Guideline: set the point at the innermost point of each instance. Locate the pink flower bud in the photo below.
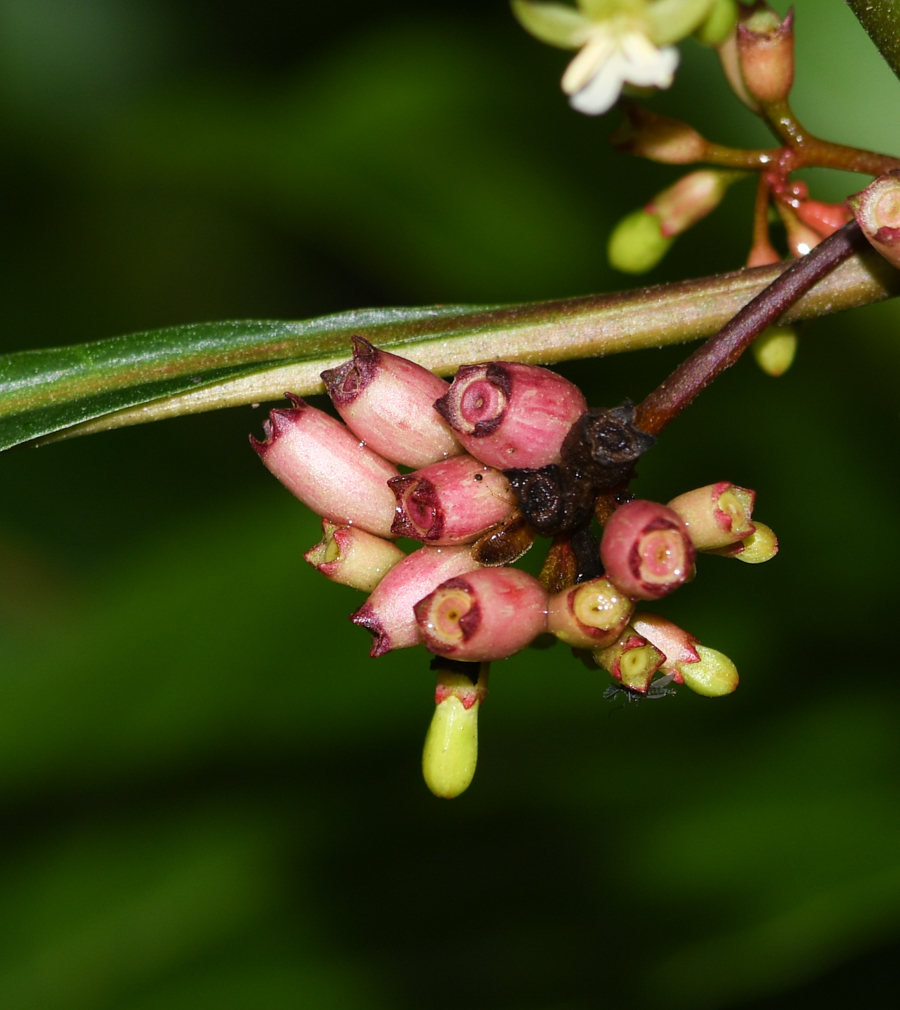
(511, 415)
(690, 199)
(485, 615)
(591, 615)
(716, 515)
(388, 612)
(676, 644)
(352, 557)
(632, 660)
(668, 141)
(325, 465)
(646, 550)
(877, 209)
(453, 502)
(388, 402)
(766, 54)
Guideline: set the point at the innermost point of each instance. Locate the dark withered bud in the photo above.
(451, 502)
(553, 499)
(509, 414)
(560, 569)
(504, 544)
(386, 401)
(606, 444)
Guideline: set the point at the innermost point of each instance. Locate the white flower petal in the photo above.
(603, 90)
(647, 65)
(589, 62)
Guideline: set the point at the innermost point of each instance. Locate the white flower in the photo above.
(621, 41)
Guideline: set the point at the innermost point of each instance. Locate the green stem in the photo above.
(881, 20)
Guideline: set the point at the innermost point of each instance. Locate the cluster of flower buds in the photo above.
(505, 453)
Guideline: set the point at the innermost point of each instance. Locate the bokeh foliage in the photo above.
(210, 796)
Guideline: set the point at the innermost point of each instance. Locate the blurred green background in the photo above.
(209, 796)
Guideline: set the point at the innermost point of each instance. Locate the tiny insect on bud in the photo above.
(388, 613)
(775, 349)
(511, 415)
(714, 676)
(646, 550)
(352, 557)
(677, 645)
(716, 515)
(484, 615)
(325, 465)
(760, 546)
(452, 502)
(631, 660)
(765, 47)
(719, 23)
(877, 209)
(658, 138)
(451, 746)
(387, 401)
(591, 615)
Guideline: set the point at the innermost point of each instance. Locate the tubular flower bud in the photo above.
(592, 615)
(714, 676)
(632, 660)
(877, 209)
(716, 515)
(511, 415)
(352, 557)
(646, 550)
(765, 47)
(775, 349)
(691, 198)
(453, 502)
(387, 401)
(760, 546)
(658, 138)
(676, 644)
(325, 465)
(451, 746)
(485, 615)
(388, 612)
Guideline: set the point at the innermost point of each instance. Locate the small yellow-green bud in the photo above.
(719, 24)
(760, 546)
(637, 243)
(714, 676)
(775, 349)
(451, 748)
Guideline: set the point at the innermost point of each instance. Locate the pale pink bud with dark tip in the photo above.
(591, 615)
(352, 557)
(632, 660)
(485, 615)
(765, 46)
(759, 547)
(452, 502)
(387, 401)
(676, 644)
(326, 466)
(388, 612)
(510, 415)
(690, 199)
(648, 135)
(877, 209)
(646, 550)
(716, 515)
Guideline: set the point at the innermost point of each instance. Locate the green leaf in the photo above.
(187, 369)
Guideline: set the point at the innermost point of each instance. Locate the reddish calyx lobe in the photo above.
(485, 615)
(388, 612)
(452, 502)
(511, 415)
(387, 401)
(324, 464)
(646, 550)
(716, 515)
(676, 644)
(468, 688)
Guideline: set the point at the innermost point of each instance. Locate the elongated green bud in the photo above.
(451, 746)
(714, 676)
(775, 348)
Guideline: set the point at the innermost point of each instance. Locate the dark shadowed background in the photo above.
(209, 796)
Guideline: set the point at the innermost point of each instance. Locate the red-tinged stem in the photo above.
(691, 377)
